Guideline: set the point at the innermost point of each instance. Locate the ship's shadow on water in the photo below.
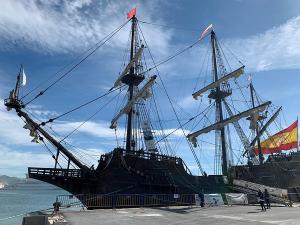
(184, 210)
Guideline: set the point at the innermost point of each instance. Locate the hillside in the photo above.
(11, 180)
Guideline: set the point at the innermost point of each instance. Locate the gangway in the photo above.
(277, 195)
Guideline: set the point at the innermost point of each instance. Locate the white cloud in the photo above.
(174, 132)
(66, 26)
(15, 163)
(11, 128)
(40, 112)
(100, 129)
(187, 101)
(277, 48)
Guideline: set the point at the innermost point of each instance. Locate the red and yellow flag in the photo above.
(283, 140)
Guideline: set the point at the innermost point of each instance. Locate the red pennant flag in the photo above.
(206, 31)
(131, 13)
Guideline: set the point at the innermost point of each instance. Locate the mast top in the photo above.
(131, 14)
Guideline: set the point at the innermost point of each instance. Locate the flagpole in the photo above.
(297, 136)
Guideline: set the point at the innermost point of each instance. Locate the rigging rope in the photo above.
(161, 128)
(171, 57)
(201, 70)
(102, 107)
(55, 135)
(78, 107)
(155, 66)
(192, 118)
(98, 45)
(53, 156)
(177, 28)
(233, 54)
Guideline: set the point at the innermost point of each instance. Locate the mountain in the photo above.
(11, 180)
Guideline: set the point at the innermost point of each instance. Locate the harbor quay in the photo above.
(219, 215)
(226, 208)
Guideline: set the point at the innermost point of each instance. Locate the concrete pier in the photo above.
(220, 215)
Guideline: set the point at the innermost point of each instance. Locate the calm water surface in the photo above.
(26, 198)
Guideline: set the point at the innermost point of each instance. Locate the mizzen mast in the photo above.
(219, 90)
(218, 95)
(255, 126)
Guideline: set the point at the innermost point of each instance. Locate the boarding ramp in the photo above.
(277, 195)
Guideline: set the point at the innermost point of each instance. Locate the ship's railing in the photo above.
(186, 168)
(125, 200)
(148, 155)
(54, 172)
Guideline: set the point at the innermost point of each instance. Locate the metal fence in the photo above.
(153, 200)
(125, 200)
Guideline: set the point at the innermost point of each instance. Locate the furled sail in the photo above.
(141, 94)
(33, 132)
(216, 126)
(148, 137)
(24, 79)
(135, 59)
(282, 141)
(263, 128)
(234, 74)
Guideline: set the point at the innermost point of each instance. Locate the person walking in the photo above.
(261, 200)
(267, 199)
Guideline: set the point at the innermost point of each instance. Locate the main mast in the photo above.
(132, 76)
(132, 79)
(130, 88)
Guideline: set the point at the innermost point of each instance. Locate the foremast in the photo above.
(36, 130)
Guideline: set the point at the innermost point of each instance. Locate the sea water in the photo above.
(25, 198)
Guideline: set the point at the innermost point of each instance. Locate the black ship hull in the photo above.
(132, 172)
(280, 170)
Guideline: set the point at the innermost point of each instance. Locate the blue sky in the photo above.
(46, 35)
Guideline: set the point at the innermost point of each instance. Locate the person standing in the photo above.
(201, 197)
(267, 199)
(261, 200)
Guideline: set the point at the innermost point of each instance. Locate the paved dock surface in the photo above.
(221, 215)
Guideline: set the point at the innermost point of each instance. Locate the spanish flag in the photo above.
(283, 140)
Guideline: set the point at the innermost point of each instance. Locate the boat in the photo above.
(274, 161)
(141, 166)
(2, 185)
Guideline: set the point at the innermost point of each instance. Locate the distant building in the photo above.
(2, 185)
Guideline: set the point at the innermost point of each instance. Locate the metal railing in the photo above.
(54, 172)
(125, 200)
